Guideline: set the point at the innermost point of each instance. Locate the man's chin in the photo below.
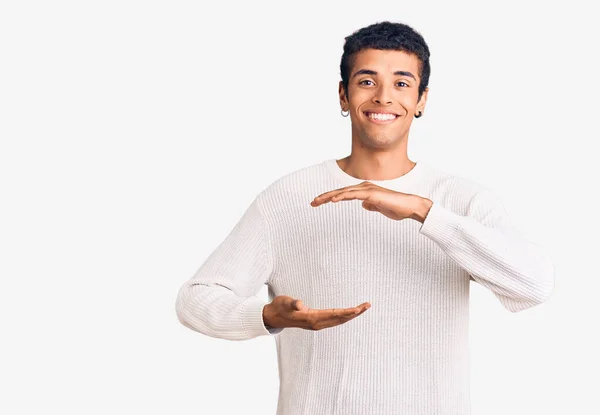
(379, 141)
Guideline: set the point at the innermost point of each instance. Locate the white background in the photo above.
(135, 134)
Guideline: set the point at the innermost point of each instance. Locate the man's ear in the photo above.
(422, 101)
(343, 97)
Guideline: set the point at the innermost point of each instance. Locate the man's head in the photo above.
(384, 69)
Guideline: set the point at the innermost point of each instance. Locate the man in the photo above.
(373, 229)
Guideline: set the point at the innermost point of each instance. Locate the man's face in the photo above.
(383, 89)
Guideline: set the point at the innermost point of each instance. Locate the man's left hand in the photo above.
(394, 205)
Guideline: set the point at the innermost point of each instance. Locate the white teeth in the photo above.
(381, 117)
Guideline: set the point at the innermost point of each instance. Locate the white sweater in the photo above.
(408, 354)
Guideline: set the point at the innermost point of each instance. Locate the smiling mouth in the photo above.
(381, 118)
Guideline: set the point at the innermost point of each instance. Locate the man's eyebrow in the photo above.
(371, 72)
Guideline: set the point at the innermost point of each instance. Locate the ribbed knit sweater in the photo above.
(408, 354)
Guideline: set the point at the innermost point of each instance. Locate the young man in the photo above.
(371, 229)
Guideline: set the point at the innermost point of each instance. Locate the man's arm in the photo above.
(220, 299)
(491, 250)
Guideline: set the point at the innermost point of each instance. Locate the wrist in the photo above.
(422, 207)
(265, 316)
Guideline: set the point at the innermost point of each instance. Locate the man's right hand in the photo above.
(285, 311)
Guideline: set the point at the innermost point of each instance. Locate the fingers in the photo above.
(299, 315)
(326, 323)
(321, 319)
(366, 305)
(341, 189)
(335, 313)
(327, 196)
(347, 195)
(352, 195)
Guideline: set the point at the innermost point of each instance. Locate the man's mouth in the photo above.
(381, 117)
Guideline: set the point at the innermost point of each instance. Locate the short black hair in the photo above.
(386, 36)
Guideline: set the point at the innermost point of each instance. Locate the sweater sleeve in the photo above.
(491, 250)
(220, 300)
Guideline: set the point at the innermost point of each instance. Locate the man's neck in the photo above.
(376, 166)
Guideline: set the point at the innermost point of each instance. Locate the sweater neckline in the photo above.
(345, 179)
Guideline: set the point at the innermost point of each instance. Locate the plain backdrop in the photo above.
(134, 134)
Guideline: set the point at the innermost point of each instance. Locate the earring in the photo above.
(346, 114)
(419, 114)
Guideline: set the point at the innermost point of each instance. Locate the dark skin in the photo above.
(382, 100)
(286, 311)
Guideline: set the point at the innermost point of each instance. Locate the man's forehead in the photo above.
(386, 57)
(386, 62)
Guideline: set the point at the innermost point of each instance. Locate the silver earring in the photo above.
(346, 114)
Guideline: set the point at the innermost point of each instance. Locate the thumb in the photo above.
(298, 305)
(368, 206)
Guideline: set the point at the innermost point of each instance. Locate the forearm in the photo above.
(520, 273)
(220, 299)
(215, 311)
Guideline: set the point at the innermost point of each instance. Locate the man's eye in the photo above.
(363, 82)
(405, 84)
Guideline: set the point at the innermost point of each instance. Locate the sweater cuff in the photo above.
(440, 225)
(252, 319)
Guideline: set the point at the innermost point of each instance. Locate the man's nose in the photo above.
(382, 96)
